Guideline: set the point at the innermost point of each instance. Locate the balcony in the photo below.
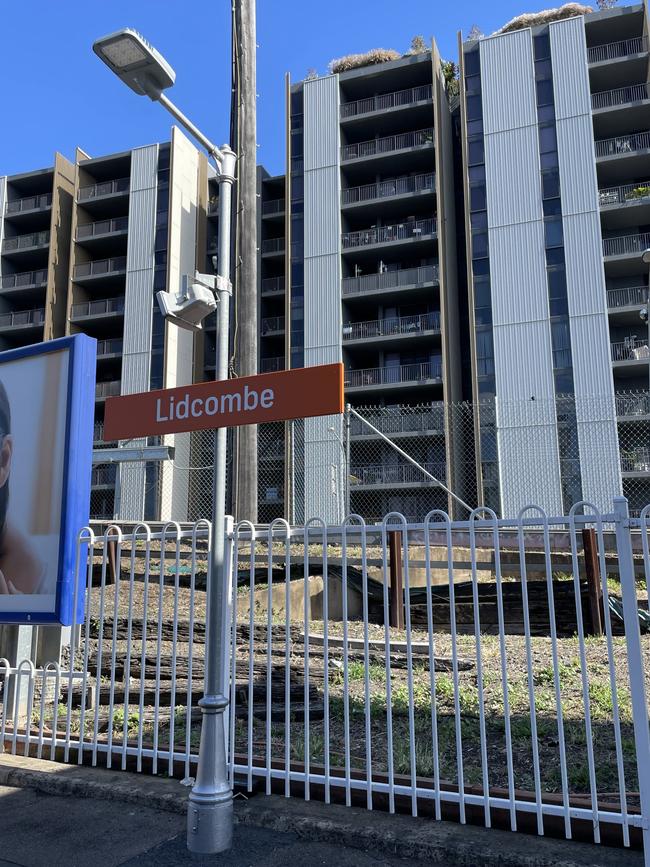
(26, 242)
(102, 227)
(621, 145)
(272, 286)
(28, 204)
(629, 296)
(107, 389)
(413, 231)
(626, 245)
(614, 50)
(272, 207)
(99, 269)
(273, 246)
(271, 365)
(621, 96)
(387, 144)
(389, 281)
(91, 309)
(111, 348)
(401, 422)
(401, 186)
(104, 476)
(397, 326)
(635, 461)
(24, 280)
(22, 319)
(633, 406)
(272, 326)
(106, 188)
(395, 475)
(385, 101)
(628, 194)
(402, 375)
(632, 350)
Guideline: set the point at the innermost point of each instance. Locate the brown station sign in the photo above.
(301, 393)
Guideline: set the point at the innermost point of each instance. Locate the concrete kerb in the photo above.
(401, 836)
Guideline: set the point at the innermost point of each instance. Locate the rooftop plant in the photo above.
(353, 61)
(536, 19)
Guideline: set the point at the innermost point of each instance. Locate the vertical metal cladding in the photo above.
(324, 466)
(3, 196)
(585, 277)
(523, 361)
(508, 82)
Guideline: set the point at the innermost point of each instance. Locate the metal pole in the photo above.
(211, 148)
(210, 810)
(347, 459)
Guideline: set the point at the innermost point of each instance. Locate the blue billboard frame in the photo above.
(77, 467)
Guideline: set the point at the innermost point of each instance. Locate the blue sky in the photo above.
(56, 94)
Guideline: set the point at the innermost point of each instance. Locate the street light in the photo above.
(210, 810)
(644, 312)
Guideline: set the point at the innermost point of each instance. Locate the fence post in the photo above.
(634, 662)
(594, 589)
(229, 552)
(396, 579)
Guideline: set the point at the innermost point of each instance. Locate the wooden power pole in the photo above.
(245, 291)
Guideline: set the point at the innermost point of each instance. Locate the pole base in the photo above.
(209, 827)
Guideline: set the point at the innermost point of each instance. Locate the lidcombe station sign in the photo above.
(301, 393)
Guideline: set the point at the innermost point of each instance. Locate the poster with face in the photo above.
(46, 416)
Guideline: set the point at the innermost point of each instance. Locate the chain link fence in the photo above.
(395, 450)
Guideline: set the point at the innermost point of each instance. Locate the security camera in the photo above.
(195, 301)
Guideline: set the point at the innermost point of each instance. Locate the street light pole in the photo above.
(210, 813)
(645, 313)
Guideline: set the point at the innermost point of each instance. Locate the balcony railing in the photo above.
(104, 475)
(630, 349)
(388, 234)
(24, 279)
(621, 195)
(626, 245)
(273, 245)
(629, 296)
(620, 96)
(273, 206)
(270, 365)
(107, 389)
(390, 280)
(635, 460)
(97, 308)
(272, 324)
(631, 405)
(405, 373)
(390, 187)
(99, 267)
(411, 325)
(106, 188)
(21, 318)
(387, 100)
(622, 144)
(24, 242)
(387, 144)
(111, 346)
(425, 421)
(29, 203)
(612, 50)
(272, 285)
(396, 474)
(103, 227)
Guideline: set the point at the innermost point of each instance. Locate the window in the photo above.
(472, 63)
(474, 127)
(544, 93)
(478, 220)
(474, 107)
(542, 45)
(482, 301)
(477, 198)
(555, 256)
(481, 267)
(476, 173)
(479, 245)
(543, 70)
(475, 152)
(550, 184)
(553, 232)
(545, 113)
(548, 160)
(547, 139)
(473, 84)
(484, 352)
(561, 343)
(564, 382)
(557, 294)
(552, 207)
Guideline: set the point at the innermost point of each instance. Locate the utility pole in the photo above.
(244, 105)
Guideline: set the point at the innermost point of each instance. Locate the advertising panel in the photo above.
(47, 395)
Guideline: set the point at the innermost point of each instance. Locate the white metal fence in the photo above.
(486, 670)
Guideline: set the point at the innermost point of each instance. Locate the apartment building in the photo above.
(556, 207)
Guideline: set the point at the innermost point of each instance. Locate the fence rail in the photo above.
(270, 365)
(396, 474)
(629, 296)
(630, 349)
(396, 99)
(390, 280)
(443, 667)
(620, 96)
(102, 227)
(107, 389)
(387, 144)
(24, 279)
(388, 234)
(272, 325)
(622, 144)
(393, 326)
(627, 193)
(106, 188)
(612, 50)
(635, 460)
(272, 285)
(626, 245)
(29, 203)
(22, 318)
(273, 206)
(99, 267)
(97, 308)
(390, 187)
(24, 242)
(404, 373)
(273, 245)
(633, 404)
